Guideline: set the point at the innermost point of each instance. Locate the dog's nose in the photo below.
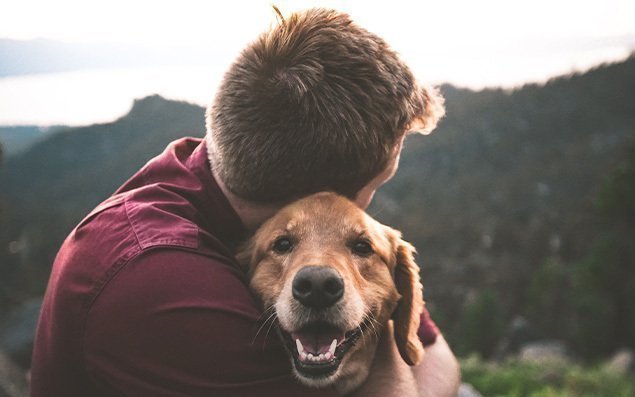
(318, 287)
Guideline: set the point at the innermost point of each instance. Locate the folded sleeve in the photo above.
(176, 323)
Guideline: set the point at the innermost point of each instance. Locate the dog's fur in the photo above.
(384, 284)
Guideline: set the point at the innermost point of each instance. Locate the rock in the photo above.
(543, 351)
(467, 390)
(622, 362)
(519, 333)
(12, 378)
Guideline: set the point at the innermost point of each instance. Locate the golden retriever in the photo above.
(334, 277)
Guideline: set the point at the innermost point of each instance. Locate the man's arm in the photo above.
(174, 323)
(438, 375)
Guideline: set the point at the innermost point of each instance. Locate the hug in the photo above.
(243, 264)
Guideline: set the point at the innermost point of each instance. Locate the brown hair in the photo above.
(315, 103)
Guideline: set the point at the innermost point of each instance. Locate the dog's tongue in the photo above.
(318, 338)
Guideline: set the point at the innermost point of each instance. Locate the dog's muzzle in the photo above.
(319, 346)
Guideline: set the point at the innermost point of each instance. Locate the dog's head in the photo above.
(334, 277)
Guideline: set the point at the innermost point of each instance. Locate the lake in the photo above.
(93, 96)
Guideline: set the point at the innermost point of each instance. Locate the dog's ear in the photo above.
(407, 314)
(246, 256)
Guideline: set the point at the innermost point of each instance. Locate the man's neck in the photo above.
(251, 214)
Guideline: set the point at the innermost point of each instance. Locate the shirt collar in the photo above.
(227, 225)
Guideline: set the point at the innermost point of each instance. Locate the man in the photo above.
(145, 296)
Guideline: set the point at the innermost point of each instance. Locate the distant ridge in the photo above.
(96, 159)
(509, 179)
(26, 57)
(14, 139)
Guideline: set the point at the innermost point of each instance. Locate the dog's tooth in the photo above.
(309, 356)
(303, 356)
(327, 355)
(332, 347)
(299, 346)
(321, 357)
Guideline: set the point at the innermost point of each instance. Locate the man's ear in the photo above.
(407, 314)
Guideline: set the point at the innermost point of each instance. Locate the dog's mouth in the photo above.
(318, 349)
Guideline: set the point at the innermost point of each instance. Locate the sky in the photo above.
(473, 44)
(407, 22)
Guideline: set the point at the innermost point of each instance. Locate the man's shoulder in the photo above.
(176, 295)
(122, 229)
(161, 220)
(173, 311)
(159, 217)
(178, 276)
(172, 201)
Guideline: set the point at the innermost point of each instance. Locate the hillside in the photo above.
(15, 139)
(507, 182)
(52, 185)
(509, 171)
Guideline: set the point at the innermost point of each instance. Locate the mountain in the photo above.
(508, 172)
(15, 139)
(507, 183)
(51, 186)
(98, 158)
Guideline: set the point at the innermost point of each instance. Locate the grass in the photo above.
(549, 379)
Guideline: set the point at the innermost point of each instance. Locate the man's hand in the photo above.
(437, 375)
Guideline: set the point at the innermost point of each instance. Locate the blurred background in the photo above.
(521, 203)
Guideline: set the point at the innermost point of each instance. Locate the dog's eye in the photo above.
(362, 248)
(282, 245)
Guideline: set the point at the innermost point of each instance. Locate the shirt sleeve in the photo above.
(176, 323)
(428, 330)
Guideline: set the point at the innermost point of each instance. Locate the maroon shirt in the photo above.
(146, 299)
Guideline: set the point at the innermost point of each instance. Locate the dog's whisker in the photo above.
(272, 317)
(269, 330)
(372, 329)
(267, 312)
(372, 323)
(273, 313)
(257, 333)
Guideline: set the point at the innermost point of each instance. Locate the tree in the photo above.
(481, 325)
(604, 282)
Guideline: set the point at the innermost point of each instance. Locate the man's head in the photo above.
(316, 103)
